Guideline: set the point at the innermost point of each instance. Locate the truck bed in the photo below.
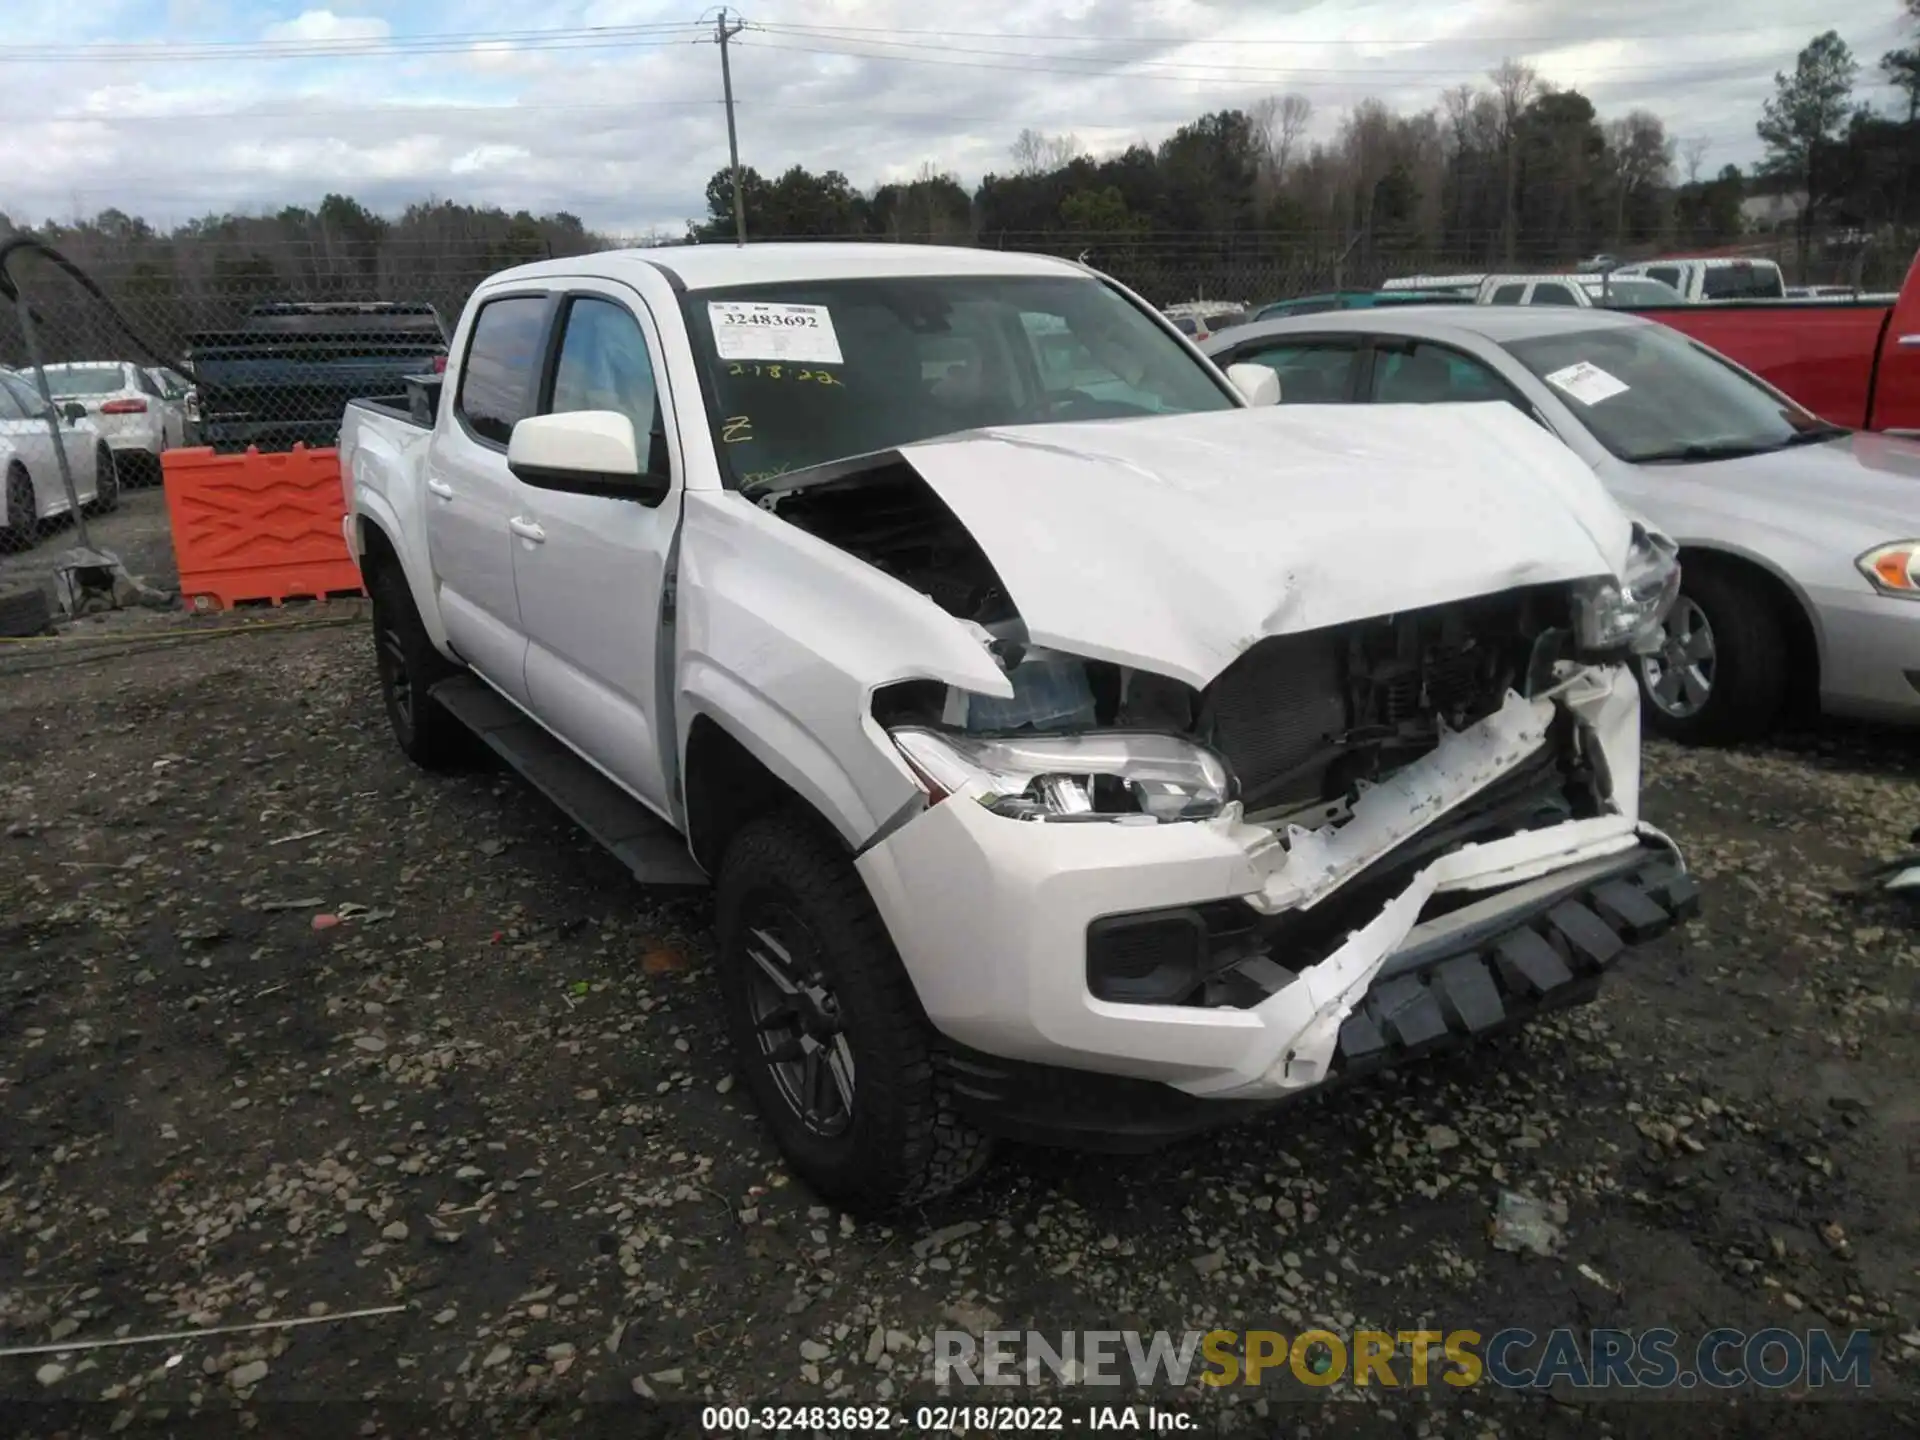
(1822, 353)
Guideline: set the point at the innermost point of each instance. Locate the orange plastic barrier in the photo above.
(257, 527)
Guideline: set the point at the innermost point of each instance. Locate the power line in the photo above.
(626, 37)
(1208, 66)
(1239, 41)
(1203, 73)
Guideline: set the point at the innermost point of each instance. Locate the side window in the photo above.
(1312, 373)
(603, 365)
(1552, 294)
(1508, 295)
(503, 360)
(12, 404)
(1423, 374)
(1668, 273)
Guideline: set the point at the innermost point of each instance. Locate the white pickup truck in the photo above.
(1083, 749)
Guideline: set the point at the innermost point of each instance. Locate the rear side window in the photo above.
(1742, 282)
(1666, 274)
(1508, 295)
(1319, 373)
(503, 363)
(1423, 374)
(1553, 295)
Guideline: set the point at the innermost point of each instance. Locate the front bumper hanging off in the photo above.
(1475, 972)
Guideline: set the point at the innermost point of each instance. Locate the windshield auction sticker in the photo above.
(1587, 383)
(756, 331)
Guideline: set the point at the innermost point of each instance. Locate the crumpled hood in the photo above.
(1175, 543)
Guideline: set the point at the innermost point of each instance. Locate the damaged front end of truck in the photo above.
(1252, 815)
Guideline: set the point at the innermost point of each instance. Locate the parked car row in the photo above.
(32, 490)
(143, 412)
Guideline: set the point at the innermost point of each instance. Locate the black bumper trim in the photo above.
(1430, 998)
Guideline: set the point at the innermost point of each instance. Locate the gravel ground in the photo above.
(289, 1029)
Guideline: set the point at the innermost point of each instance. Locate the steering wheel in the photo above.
(1078, 405)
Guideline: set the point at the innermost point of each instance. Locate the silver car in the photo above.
(1800, 540)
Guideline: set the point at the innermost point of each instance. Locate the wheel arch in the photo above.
(1805, 642)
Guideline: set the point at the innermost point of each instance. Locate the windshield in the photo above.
(809, 372)
(88, 380)
(1628, 290)
(1742, 282)
(1649, 393)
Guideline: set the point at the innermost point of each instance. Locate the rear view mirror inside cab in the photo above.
(585, 452)
(1256, 383)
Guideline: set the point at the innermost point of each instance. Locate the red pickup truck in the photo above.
(1854, 362)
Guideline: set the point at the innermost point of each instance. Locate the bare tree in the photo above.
(1641, 157)
(1694, 151)
(1514, 86)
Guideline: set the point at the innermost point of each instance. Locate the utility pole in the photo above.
(723, 32)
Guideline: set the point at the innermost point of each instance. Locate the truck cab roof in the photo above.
(718, 267)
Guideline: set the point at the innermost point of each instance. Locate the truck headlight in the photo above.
(1122, 776)
(1893, 569)
(1609, 613)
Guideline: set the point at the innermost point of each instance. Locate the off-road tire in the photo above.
(906, 1144)
(19, 516)
(106, 482)
(425, 732)
(1750, 662)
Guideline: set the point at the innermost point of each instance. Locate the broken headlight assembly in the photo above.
(1124, 777)
(1610, 614)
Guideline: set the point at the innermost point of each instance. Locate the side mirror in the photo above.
(584, 452)
(74, 411)
(1258, 384)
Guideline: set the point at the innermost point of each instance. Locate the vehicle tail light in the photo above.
(135, 406)
(439, 364)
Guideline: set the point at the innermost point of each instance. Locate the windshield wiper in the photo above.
(1738, 449)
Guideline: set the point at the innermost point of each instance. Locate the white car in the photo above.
(1083, 749)
(31, 489)
(127, 406)
(183, 404)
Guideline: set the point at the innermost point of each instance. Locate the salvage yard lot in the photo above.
(496, 1092)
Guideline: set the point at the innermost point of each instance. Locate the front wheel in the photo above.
(826, 1028)
(1720, 674)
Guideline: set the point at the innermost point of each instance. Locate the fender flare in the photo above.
(371, 509)
(792, 754)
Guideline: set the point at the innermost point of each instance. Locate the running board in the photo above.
(652, 849)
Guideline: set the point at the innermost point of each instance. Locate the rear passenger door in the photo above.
(591, 570)
(470, 495)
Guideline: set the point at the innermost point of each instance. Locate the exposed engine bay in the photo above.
(1301, 719)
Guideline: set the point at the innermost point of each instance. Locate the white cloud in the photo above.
(325, 25)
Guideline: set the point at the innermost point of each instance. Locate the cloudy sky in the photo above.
(610, 108)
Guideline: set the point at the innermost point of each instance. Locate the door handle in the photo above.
(440, 488)
(526, 530)
(1909, 340)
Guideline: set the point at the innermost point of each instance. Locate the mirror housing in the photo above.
(1256, 383)
(74, 411)
(584, 452)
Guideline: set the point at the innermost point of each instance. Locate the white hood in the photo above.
(1173, 544)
